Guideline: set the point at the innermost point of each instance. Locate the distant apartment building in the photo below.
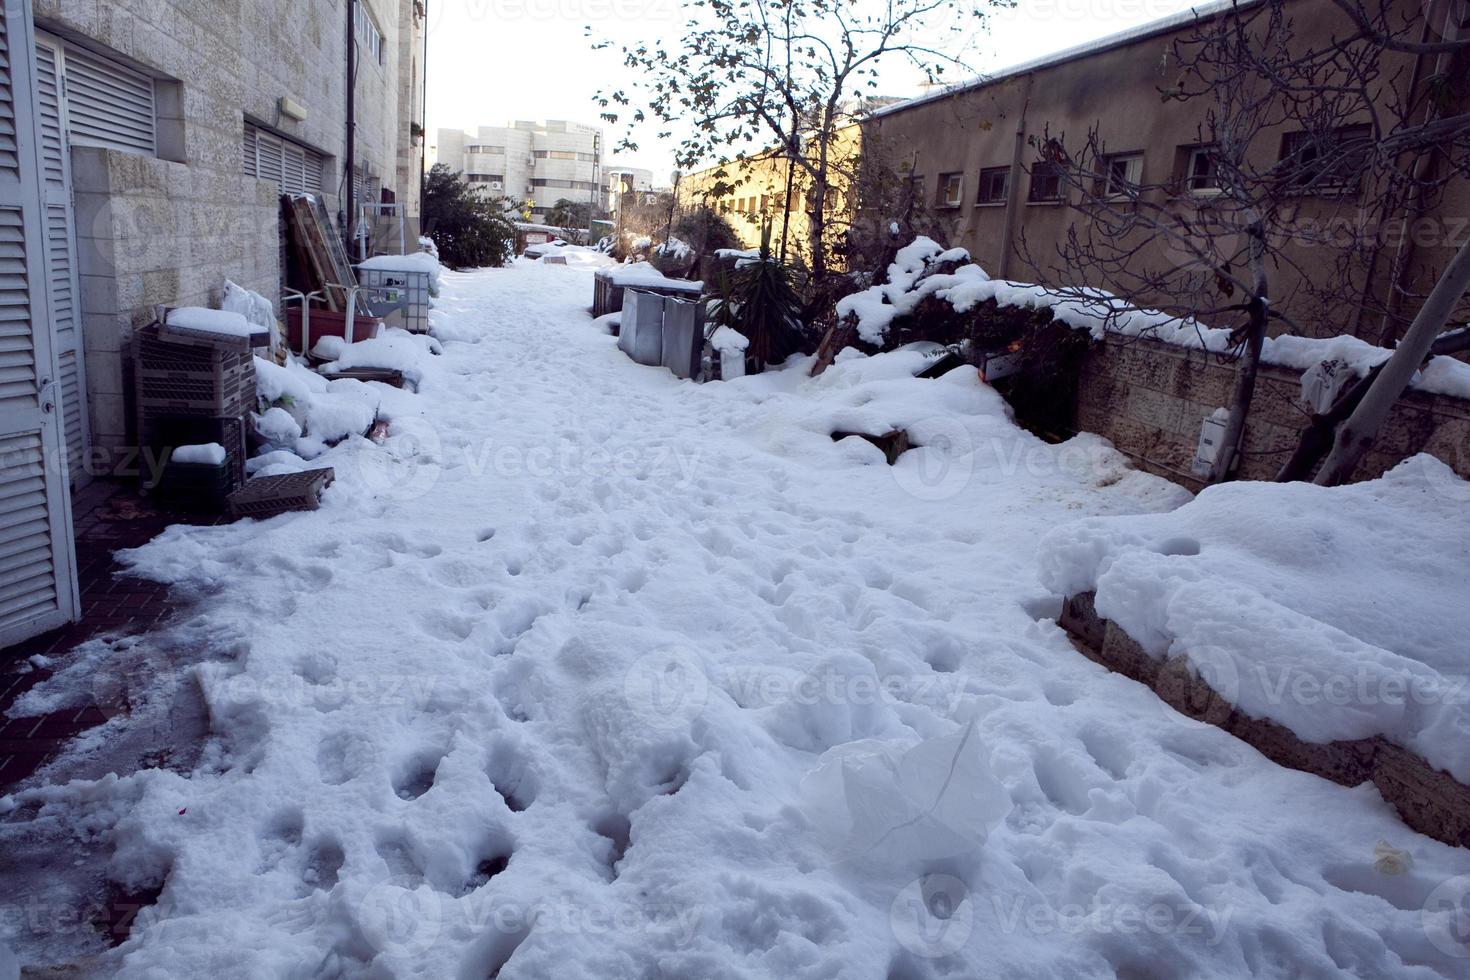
(538, 162)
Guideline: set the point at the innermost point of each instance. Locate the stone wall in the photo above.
(1149, 398)
(154, 231)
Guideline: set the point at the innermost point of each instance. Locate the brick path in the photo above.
(108, 517)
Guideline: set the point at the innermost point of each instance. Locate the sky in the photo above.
(492, 61)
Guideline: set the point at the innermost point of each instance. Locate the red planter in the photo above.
(325, 323)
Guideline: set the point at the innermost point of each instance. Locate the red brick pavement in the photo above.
(108, 517)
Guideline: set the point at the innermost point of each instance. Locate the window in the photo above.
(994, 183)
(951, 190)
(1325, 163)
(916, 188)
(292, 167)
(1046, 182)
(108, 105)
(369, 38)
(555, 155)
(498, 150)
(1122, 174)
(1202, 173)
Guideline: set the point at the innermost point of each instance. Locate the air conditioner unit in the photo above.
(496, 185)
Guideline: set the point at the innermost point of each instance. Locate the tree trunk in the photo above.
(1356, 435)
(1250, 361)
(1317, 436)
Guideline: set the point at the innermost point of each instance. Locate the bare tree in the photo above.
(791, 78)
(1295, 135)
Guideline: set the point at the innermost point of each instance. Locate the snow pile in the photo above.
(422, 262)
(577, 256)
(911, 279)
(395, 350)
(1338, 612)
(588, 672)
(644, 274)
(205, 454)
(223, 322)
(728, 340)
(428, 245)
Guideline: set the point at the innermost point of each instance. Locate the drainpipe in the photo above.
(1013, 191)
(1414, 205)
(349, 194)
(424, 119)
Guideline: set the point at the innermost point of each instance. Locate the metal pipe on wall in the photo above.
(349, 170)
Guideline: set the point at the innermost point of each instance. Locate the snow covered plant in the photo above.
(759, 301)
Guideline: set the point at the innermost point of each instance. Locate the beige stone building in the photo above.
(536, 162)
(182, 123)
(148, 144)
(973, 155)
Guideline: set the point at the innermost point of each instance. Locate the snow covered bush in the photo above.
(758, 301)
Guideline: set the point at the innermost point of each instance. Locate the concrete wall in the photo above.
(1148, 398)
(169, 232)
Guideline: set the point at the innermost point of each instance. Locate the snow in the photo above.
(676, 247)
(729, 340)
(221, 322)
(207, 454)
(1102, 314)
(1336, 612)
(701, 693)
(397, 350)
(644, 274)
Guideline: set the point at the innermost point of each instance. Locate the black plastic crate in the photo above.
(197, 486)
(162, 433)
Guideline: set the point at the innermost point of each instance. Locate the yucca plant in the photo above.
(759, 301)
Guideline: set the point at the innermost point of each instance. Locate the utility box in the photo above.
(640, 331)
(1211, 438)
(683, 337)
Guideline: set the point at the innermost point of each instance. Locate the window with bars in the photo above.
(1328, 163)
(994, 183)
(1046, 182)
(292, 167)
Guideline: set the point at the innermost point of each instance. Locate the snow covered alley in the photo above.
(589, 672)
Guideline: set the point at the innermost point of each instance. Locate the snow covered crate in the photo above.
(162, 434)
(191, 379)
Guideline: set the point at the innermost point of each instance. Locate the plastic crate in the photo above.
(197, 486)
(190, 379)
(266, 496)
(160, 434)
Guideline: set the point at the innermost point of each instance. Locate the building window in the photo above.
(1046, 182)
(557, 155)
(951, 190)
(1325, 163)
(369, 37)
(916, 188)
(293, 167)
(1122, 173)
(107, 105)
(1202, 175)
(994, 183)
(485, 149)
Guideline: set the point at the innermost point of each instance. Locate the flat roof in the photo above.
(1163, 25)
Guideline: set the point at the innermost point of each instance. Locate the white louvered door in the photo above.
(61, 259)
(38, 588)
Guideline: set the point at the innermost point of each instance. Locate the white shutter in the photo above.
(270, 162)
(108, 105)
(249, 151)
(61, 261)
(37, 560)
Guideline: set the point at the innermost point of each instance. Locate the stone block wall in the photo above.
(1149, 399)
(169, 229)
